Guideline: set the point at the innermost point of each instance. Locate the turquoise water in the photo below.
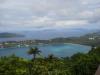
(59, 50)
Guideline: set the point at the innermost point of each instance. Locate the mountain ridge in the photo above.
(10, 35)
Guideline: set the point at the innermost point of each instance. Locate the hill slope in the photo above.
(88, 39)
(10, 35)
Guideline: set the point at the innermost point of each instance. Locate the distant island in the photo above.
(10, 35)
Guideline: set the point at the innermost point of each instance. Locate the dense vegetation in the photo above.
(78, 64)
(10, 35)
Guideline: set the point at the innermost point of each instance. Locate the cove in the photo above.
(58, 50)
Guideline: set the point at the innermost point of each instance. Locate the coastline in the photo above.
(32, 45)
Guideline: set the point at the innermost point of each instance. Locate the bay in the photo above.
(58, 50)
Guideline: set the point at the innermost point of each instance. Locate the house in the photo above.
(1, 46)
(98, 71)
(91, 38)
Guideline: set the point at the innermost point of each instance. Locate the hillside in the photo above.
(88, 39)
(10, 35)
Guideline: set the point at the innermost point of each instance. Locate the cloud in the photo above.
(72, 23)
(49, 14)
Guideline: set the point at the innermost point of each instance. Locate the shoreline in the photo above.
(28, 46)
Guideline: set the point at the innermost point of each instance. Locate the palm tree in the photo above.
(34, 52)
(92, 47)
(51, 56)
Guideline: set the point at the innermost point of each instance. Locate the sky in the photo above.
(21, 15)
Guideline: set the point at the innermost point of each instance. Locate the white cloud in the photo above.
(87, 2)
(72, 22)
(49, 13)
(86, 14)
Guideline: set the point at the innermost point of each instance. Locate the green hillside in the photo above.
(88, 39)
(9, 35)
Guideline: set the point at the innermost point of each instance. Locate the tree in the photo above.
(92, 47)
(51, 56)
(34, 52)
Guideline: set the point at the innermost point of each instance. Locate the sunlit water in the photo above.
(59, 50)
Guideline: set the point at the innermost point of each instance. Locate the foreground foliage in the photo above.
(78, 64)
